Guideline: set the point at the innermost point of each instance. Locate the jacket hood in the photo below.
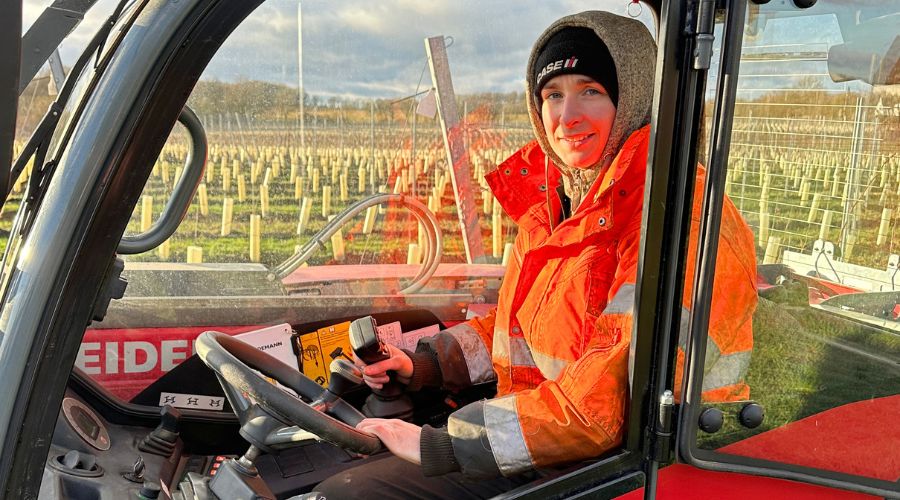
(634, 53)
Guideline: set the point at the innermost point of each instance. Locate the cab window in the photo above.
(813, 169)
(290, 152)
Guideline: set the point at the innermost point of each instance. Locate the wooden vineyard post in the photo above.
(257, 170)
(305, 209)
(763, 228)
(337, 245)
(436, 201)
(163, 250)
(241, 188)
(412, 254)
(849, 243)
(817, 198)
(344, 188)
(264, 199)
(826, 223)
(507, 253)
(164, 172)
(203, 199)
(326, 201)
(235, 170)
(194, 255)
(369, 224)
(254, 238)
(226, 184)
(422, 237)
(885, 224)
(146, 213)
(771, 256)
(361, 176)
(227, 213)
(298, 187)
(211, 171)
(454, 148)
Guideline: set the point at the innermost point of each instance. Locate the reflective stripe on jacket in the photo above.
(558, 342)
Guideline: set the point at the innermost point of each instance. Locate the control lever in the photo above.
(390, 401)
(163, 439)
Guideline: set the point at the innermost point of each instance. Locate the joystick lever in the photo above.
(365, 342)
(390, 401)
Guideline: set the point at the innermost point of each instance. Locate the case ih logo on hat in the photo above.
(574, 50)
(569, 63)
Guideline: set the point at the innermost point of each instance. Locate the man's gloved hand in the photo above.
(375, 375)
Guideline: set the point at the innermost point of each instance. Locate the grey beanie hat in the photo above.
(634, 53)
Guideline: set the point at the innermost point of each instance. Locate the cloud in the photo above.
(370, 49)
(367, 49)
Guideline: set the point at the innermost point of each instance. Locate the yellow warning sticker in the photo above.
(319, 348)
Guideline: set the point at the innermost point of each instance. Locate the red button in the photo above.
(216, 465)
(212, 472)
(220, 458)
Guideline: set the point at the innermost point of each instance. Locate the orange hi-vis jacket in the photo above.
(557, 343)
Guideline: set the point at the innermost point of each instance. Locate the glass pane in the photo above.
(814, 171)
(281, 167)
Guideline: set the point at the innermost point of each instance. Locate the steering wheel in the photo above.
(234, 362)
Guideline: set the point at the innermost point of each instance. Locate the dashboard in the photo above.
(92, 458)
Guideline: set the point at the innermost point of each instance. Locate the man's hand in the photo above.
(375, 375)
(402, 438)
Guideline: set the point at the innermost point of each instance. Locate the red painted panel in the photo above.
(127, 360)
(859, 438)
(683, 482)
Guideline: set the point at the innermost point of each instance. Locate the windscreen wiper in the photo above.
(39, 142)
(47, 32)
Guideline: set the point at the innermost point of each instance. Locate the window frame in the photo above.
(714, 191)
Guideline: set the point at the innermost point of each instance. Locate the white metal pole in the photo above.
(300, 78)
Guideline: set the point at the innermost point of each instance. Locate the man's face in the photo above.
(578, 115)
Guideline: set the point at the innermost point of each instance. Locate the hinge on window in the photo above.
(662, 438)
(705, 17)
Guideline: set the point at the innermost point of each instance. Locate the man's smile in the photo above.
(576, 140)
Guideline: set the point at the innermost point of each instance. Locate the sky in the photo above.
(360, 48)
(364, 48)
